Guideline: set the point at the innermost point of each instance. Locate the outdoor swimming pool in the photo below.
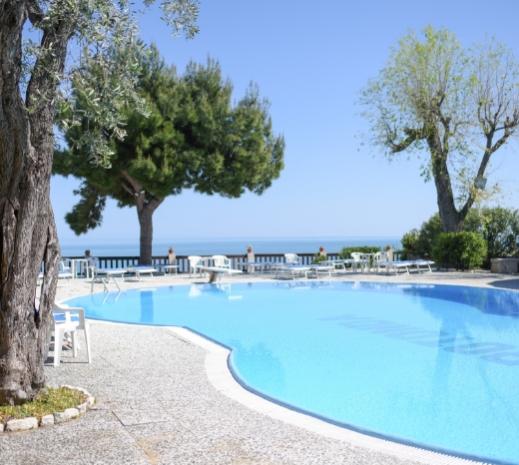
(435, 366)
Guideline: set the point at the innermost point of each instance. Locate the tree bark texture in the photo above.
(145, 215)
(28, 238)
(146, 204)
(450, 217)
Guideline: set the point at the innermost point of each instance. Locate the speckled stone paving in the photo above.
(156, 406)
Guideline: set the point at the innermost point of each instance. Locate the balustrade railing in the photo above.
(237, 261)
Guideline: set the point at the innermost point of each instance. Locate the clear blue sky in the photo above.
(310, 59)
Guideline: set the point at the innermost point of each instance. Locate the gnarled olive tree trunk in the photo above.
(27, 230)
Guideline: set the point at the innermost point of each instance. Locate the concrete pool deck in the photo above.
(165, 397)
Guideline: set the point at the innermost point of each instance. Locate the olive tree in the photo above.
(192, 137)
(35, 71)
(457, 106)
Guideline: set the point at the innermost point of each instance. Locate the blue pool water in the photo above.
(436, 366)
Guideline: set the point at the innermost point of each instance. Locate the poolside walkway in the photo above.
(156, 405)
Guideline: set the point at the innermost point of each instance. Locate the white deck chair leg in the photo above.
(58, 342)
(87, 342)
(75, 343)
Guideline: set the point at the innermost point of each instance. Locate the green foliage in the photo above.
(410, 247)
(48, 401)
(346, 251)
(452, 106)
(191, 136)
(419, 243)
(104, 74)
(461, 250)
(318, 258)
(88, 212)
(498, 226)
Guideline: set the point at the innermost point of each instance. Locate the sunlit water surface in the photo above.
(432, 365)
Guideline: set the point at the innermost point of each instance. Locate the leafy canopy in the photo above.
(191, 136)
(102, 36)
(459, 105)
(498, 226)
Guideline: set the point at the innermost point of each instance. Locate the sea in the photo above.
(230, 246)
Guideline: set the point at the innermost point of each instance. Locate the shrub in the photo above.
(498, 226)
(318, 258)
(346, 251)
(461, 250)
(410, 245)
(419, 243)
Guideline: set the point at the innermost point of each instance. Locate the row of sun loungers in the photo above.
(292, 267)
(359, 262)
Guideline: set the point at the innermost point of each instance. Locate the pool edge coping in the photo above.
(222, 379)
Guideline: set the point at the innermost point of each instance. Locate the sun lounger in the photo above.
(323, 268)
(169, 268)
(291, 268)
(423, 263)
(107, 276)
(216, 271)
(141, 270)
(405, 265)
(216, 266)
(288, 270)
(260, 266)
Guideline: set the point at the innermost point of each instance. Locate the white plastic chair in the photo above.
(194, 263)
(381, 260)
(69, 320)
(292, 259)
(360, 260)
(221, 261)
(64, 271)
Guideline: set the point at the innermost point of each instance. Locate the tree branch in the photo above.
(134, 188)
(412, 135)
(51, 60)
(34, 12)
(134, 184)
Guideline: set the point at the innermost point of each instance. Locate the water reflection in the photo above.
(258, 363)
(147, 307)
(213, 289)
(452, 337)
(497, 302)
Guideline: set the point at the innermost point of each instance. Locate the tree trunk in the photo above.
(145, 212)
(27, 240)
(27, 230)
(449, 215)
(146, 235)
